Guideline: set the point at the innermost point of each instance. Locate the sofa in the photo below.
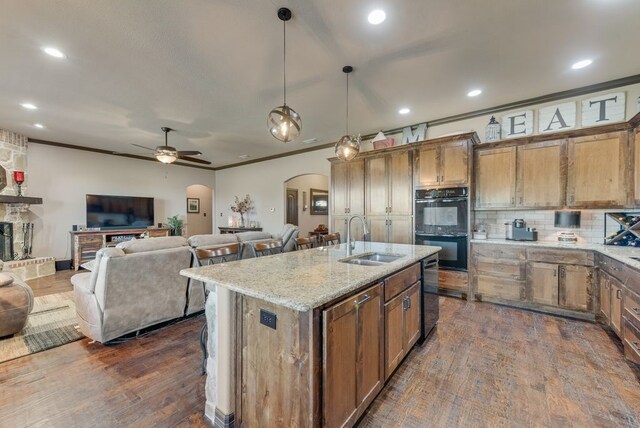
(16, 302)
(135, 285)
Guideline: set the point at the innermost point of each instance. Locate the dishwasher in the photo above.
(430, 305)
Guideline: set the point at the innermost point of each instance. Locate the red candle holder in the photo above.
(18, 177)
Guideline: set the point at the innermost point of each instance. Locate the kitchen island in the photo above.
(305, 338)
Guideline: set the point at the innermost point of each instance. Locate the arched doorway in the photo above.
(199, 210)
(306, 201)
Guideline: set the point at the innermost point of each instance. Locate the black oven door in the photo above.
(453, 255)
(441, 216)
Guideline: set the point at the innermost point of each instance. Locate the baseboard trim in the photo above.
(224, 421)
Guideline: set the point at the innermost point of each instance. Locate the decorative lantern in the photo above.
(492, 131)
(18, 176)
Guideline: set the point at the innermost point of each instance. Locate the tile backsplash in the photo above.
(591, 224)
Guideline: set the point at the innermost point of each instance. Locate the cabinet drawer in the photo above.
(453, 280)
(567, 257)
(399, 282)
(631, 309)
(614, 268)
(631, 343)
(86, 240)
(503, 268)
(502, 288)
(499, 251)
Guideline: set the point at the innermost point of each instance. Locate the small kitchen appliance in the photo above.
(518, 231)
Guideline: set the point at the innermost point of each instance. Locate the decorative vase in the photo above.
(241, 219)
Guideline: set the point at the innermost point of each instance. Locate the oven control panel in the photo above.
(452, 192)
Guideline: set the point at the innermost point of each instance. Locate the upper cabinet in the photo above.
(597, 170)
(388, 185)
(443, 165)
(541, 171)
(347, 187)
(496, 178)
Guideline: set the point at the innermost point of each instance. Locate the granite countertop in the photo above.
(622, 254)
(304, 280)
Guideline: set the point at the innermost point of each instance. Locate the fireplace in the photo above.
(6, 241)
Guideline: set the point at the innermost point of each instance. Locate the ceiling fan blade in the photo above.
(189, 153)
(143, 147)
(196, 160)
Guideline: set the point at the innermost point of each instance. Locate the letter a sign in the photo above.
(556, 118)
(603, 109)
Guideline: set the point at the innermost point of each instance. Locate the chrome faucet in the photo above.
(350, 245)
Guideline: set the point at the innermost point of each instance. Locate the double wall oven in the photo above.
(441, 217)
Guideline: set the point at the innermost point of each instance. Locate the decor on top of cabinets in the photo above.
(567, 219)
(193, 205)
(628, 229)
(347, 146)
(319, 201)
(380, 141)
(284, 123)
(518, 124)
(561, 117)
(604, 109)
(408, 136)
(492, 131)
(241, 207)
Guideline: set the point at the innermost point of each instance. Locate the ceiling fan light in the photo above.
(166, 158)
(347, 147)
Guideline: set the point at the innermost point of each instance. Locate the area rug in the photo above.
(52, 323)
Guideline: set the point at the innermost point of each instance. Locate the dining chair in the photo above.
(331, 239)
(306, 243)
(266, 248)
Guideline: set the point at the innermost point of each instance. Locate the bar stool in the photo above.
(331, 239)
(266, 248)
(209, 256)
(305, 243)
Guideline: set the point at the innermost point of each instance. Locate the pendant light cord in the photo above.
(284, 61)
(347, 104)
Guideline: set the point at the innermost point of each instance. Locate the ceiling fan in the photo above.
(168, 154)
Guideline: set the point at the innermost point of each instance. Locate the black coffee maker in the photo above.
(520, 231)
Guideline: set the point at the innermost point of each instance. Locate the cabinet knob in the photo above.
(635, 310)
(618, 294)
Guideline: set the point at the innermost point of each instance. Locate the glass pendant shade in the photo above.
(284, 123)
(348, 147)
(167, 154)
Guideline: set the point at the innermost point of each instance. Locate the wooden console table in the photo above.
(85, 244)
(239, 229)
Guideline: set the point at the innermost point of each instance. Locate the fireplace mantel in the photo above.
(8, 199)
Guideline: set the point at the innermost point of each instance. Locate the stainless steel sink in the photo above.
(372, 259)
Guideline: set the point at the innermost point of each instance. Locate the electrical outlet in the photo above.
(267, 318)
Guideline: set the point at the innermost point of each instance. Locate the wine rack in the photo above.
(628, 233)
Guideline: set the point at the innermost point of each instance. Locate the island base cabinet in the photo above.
(353, 365)
(616, 307)
(605, 297)
(402, 327)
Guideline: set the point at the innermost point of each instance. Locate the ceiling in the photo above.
(212, 69)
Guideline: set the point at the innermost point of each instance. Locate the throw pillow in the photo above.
(90, 265)
(5, 279)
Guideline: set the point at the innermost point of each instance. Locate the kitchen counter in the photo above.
(305, 280)
(622, 254)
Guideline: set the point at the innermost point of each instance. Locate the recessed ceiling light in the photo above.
(474, 93)
(376, 16)
(581, 64)
(38, 125)
(29, 106)
(57, 53)
(244, 156)
(310, 141)
(404, 110)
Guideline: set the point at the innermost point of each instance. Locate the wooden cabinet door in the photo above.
(377, 186)
(596, 170)
(400, 184)
(340, 325)
(356, 187)
(576, 287)
(616, 306)
(605, 296)
(339, 188)
(378, 228)
(411, 324)
(542, 283)
(401, 230)
(454, 161)
(496, 178)
(339, 224)
(394, 333)
(370, 345)
(636, 169)
(428, 173)
(541, 175)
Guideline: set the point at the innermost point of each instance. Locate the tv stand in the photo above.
(85, 244)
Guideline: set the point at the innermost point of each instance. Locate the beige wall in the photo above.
(202, 222)
(263, 181)
(304, 183)
(62, 177)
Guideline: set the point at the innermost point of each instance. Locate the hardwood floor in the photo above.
(52, 284)
(486, 365)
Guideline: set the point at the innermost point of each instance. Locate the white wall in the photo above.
(62, 177)
(263, 181)
(200, 223)
(304, 183)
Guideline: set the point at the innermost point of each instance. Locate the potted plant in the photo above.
(175, 225)
(242, 206)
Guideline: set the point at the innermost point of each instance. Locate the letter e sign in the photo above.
(519, 124)
(603, 109)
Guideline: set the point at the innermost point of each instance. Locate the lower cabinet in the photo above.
(353, 364)
(402, 326)
(605, 296)
(616, 306)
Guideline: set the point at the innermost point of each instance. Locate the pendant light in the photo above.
(283, 122)
(347, 146)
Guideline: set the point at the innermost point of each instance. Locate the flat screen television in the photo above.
(119, 212)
